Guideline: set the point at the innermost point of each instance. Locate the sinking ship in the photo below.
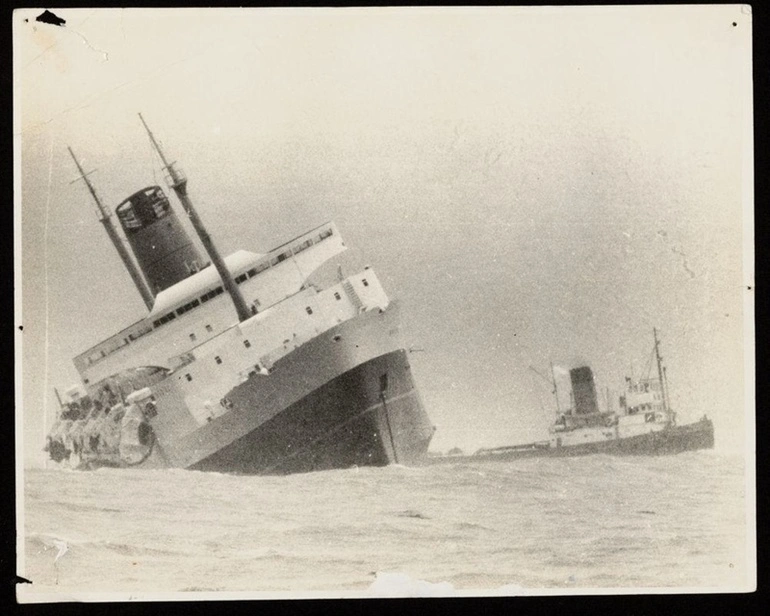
(644, 423)
(242, 364)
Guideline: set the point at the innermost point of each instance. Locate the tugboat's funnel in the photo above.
(584, 391)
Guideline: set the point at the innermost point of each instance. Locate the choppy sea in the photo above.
(506, 526)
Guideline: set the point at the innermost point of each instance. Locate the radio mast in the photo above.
(660, 370)
(105, 219)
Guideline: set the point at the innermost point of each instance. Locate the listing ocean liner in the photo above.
(645, 424)
(242, 364)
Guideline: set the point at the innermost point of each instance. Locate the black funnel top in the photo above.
(160, 243)
(584, 391)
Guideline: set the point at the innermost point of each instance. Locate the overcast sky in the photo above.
(533, 185)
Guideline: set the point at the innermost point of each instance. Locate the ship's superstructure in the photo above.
(243, 364)
(190, 313)
(642, 410)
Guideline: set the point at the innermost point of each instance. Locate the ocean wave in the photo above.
(533, 523)
(341, 530)
(472, 526)
(36, 541)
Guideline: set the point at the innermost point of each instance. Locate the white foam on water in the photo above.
(394, 584)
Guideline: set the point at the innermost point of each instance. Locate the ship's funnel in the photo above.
(584, 390)
(160, 243)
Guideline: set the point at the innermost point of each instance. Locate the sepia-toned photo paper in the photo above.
(383, 302)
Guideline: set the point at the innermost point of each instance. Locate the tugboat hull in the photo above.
(677, 439)
(673, 440)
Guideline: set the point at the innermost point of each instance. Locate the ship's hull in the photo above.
(346, 422)
(672, 440)
(345, 398)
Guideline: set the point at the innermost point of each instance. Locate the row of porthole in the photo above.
(238, 280)
(207, 296)
(193, 337)
(247, 343)
(217, 358)
(337, 296)
(643, 388)
(641, 407)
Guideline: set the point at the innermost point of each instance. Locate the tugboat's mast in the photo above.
(660, 370)
(552, 383)
(177, 181)
(104, 218)
(555, 390)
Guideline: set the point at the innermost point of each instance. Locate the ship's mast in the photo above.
(104, 218)
(178, 182)
(555, 390)
(660, 369)
(552, 383)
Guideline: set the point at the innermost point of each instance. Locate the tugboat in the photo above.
(241, 364)
(644, 425)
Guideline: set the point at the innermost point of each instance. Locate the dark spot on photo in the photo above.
(47, 17)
